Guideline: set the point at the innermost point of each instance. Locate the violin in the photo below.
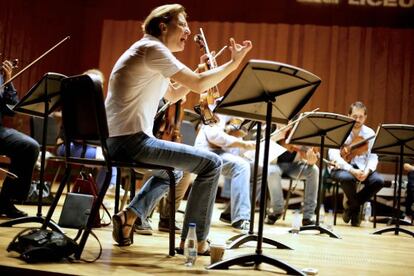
(358, 146)
(207, 98)
(167, 121)
(236, 127)
(173, 118)
(14, 64)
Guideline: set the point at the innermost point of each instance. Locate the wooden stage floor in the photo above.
(357, 252)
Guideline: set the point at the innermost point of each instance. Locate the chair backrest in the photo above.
(36, 130)
(83, 111)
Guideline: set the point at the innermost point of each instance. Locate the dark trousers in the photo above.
(23, 152)
(372, 185)
(410, 194)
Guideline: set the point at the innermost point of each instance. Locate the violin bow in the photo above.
(293, 122)
(33, 62)
(9, 174)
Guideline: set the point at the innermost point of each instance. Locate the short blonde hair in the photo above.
(162, 14)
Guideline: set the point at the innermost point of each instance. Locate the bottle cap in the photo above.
(310, 271)
(191, 224)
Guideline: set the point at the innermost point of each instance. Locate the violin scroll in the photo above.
(207, 98)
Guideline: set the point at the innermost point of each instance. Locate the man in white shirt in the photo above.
(235, 168)
(359, 168)
(139, 79)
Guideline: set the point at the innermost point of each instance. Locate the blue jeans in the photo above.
(236, 171)
(310, 173)
(372, 185)
(76, 150)
(23, 152)
(207, 165)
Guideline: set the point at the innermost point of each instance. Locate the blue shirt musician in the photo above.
(20, 148)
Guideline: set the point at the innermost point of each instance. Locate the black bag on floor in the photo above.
(42, 245)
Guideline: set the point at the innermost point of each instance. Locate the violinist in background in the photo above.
(410, 191)
(20, 148)
(236, 169)
(139, 79)
(298, 163)
(361, 167)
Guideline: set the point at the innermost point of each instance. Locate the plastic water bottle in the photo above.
(322, 214)
(296, 222)
(329, 220)
(367, 212)
(190, 245)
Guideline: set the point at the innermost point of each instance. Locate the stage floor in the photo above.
(358, 252)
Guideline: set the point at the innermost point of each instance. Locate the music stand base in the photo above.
(257, 259)
(244, 238)
(319, 228)
(32, 219)
(394, 229)
(392, 221)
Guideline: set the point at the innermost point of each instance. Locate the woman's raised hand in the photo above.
(239, 51)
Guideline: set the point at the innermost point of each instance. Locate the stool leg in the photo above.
(172, 214)
(117, 190)
(336, 191)
(374, 210)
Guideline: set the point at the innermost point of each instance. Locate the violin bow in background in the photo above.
(33, 62)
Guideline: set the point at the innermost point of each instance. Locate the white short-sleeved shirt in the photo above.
(212, 137)
(138, 81)
(367, 160)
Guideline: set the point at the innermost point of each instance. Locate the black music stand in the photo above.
(271, 92)
(395, 139)
(41, 100)
(321, 129)
(392, 220)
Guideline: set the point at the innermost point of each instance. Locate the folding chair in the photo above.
(84, 120)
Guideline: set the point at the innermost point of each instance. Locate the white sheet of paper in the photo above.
(275, 150)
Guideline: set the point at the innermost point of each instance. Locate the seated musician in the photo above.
(20, 148)
(139, 79)
(360, 167)
(410, 191)
(298, 163)
(235, 168)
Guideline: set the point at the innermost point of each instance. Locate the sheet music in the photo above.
(275, 150)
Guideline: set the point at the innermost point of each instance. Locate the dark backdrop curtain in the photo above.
(371, 64)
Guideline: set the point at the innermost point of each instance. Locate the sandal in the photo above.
(117, 232)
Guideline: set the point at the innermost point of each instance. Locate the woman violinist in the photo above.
(360, 167)
(139, 79)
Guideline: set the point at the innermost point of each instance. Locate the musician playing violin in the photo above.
(139, 79)
(20, 148)
(236, 169)
(409, 200)
(360, 169)
(297, 163)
